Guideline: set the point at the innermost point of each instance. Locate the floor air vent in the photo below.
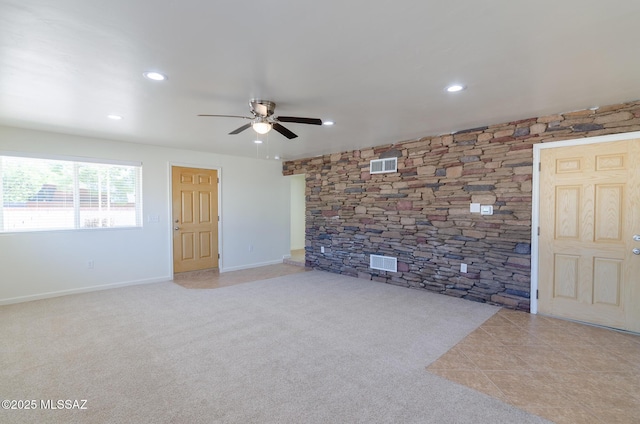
(384, 263)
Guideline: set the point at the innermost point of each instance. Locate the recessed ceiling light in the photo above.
(114, 117)
(258, 141)
(328, 123)
(155, 76)
(455, 88)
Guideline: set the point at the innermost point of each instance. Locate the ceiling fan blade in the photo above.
(282, 130)
(298, 120)
(239, 130)
(228, 116)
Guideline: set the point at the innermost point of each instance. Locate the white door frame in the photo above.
(535, 201)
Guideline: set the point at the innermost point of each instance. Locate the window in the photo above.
(50, 194)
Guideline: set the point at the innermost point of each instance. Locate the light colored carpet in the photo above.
(304, 348)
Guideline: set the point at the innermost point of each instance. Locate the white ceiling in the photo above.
(379, 69)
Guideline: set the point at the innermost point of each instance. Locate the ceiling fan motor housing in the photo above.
(264, 108)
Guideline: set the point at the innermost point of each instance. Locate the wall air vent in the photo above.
(383, 263)
(380, 166)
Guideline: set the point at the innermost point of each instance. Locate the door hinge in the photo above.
(218, 218)
(538, 230)
(537, 294)
(539, 166)
(218, 180)
(218, 256)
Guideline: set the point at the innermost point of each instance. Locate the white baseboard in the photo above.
(48, 295)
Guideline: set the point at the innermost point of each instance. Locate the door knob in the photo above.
(636, 251)
(636, 237)
(177, 228)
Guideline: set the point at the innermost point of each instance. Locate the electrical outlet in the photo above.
(463, 268)
(90, 264)
(486, 210)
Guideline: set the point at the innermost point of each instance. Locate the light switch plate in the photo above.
(474, 208)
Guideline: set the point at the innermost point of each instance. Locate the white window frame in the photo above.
(76, 162)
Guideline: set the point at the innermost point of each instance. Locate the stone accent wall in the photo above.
(421, 213)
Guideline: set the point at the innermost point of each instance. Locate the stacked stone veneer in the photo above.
(420, 214)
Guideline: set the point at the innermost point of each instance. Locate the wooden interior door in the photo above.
(195, 218)
(589, 214)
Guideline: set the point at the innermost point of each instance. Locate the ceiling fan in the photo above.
(263, 120)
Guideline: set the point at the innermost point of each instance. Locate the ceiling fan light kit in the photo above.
(261, 127)
(263, 120)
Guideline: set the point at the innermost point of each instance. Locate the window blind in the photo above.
(49, 194)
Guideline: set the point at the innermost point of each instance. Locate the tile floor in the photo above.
(297, 258)
(213, 279)
(560, 370)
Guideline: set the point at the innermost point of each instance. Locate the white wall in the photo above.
(254, 211)
(297, 211)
